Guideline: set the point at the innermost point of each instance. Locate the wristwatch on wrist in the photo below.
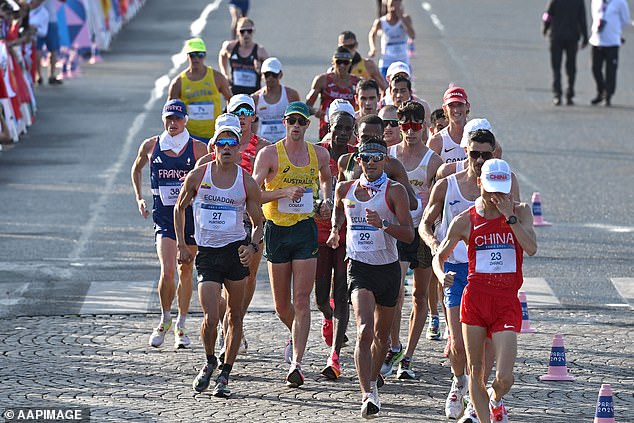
(255, 246)
(511, 220)
(385, 224)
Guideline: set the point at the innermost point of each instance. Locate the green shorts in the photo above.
(283, 244)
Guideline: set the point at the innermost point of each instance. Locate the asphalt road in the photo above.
(67, 212)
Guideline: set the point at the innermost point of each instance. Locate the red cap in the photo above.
(455, 94)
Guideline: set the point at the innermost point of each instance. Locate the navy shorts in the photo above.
(164, 225)
(51, 41)
(243, 5)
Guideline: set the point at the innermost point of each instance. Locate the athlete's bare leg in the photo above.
(383, 317)
(166, 251)
(281, 274)
(474, 337)
(505, 345)
(395, 329)
(209, 295)
(303, 281)
(184, 288)
(457, 356)
(235, 300)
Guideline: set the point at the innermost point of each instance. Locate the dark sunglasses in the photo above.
(414, 126)
(292, 120)
(243, 111)
(375, 157)
(231, 142)
(246, 31)
(486, 155)
(342, 62)
(390, 122)
(271, 75)
(199, 54)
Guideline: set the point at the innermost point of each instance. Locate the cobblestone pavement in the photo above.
(104, 363)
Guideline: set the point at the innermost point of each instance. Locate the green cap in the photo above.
(298, 107)
(195, 44)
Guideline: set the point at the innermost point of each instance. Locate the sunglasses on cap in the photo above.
(390, 122)
(291, 120)
(199, 54)
(243, 111)
(231, 142)
(486, 155)
(375, 157)
(246, 31)
(414, 126)
(342, 62)
(271, 74)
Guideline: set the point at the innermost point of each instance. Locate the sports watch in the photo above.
(255, 246)
(512, 220)
(385, 224)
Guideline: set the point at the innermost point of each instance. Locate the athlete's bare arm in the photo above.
(523, 229)
(174, 91)
(187, 194)
(319, 83)
(223, 58)
(396, 172)
(432, 213)
(223, 85)
(262, 56)
(435, 143)
(404, 231)
(142, 158)
(265, 168)
(200, 149)
(445, 170)
(376, 26)
(375, 74)
(292, 95)
(407, 24)
(338, 215)
(459, 230)
(254, 210)
(325, 180)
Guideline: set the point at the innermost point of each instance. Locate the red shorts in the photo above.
(495, 313)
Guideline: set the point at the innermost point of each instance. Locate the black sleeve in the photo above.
(583, 25)
(549, 13)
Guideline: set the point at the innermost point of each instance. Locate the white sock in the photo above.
(166, 317)
(397, 349)
(373, 387)
(180, 321)
(461, 380)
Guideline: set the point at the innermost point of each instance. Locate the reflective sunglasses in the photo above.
(243, 111)
(246, 31)
(414, 126)
(390, 122)
(375, 157)
(291, 120)
(486, 155)
(231, 142)
(271, 75)
(342, 62)
(199, 54)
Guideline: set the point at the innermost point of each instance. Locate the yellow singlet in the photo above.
(360, 70)
(203, 103)
(290, 175)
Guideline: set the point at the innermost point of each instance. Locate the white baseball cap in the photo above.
(227, 122)
(474, 125)
(397, 67)
(238, 100)
(340, 105)
(272, 64)
(496, 176)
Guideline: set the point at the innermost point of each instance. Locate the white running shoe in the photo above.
(158, 334)
(499, 413)
(455, 404)
(288, 351)
(370, 406)
(181, 340)
(243, 345)
(469, 415)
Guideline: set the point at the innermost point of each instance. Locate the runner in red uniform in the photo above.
(498, 232)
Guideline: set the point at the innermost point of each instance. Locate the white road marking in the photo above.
(625, 288)
(539, 293)
(610, 228)
(434, 18)
(113, 297)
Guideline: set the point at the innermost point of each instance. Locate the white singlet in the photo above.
(418, 180)
(393, 43)
(219, 213)
(451, 152)
(366, 243)
(455, 204)
(271, 125)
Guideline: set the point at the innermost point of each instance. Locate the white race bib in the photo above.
(245, 77)
(366, 238)
(396, 49)
(201, 111)
(302, 206)
(218, 218)
(169, 192)
(272, 130)
(495, 258)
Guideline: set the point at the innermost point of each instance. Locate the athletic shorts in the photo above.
(164, 226)
(453, 294)
(283, 244)
(243, 5)
(220, 264)
(51, 41)
(417, 253)
(495, 313)
(383, 280)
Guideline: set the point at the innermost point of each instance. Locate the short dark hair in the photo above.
(348, 35)
(373, 139)
(401, 78)
(436, 115)
(483, 136)
(412, 109)
(368, 84)
(372, 120)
